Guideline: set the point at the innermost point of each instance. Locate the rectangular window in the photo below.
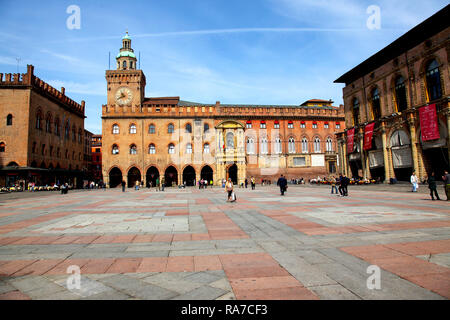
(249, 125)
(299, 161)
(291, 125)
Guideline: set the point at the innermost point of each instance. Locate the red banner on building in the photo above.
(429, 123)
(368, 133)
(350, 140)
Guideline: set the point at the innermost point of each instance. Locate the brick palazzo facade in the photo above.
(96, 165)
(41, 132)
(388, 89)
(145, 138)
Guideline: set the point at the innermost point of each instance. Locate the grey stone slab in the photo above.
(304, 272)
(109, 295)
(202, 277)
(5, 287)
(31, 283)
(138, 288)
(334, 292)
(391, 288)
(202, 293)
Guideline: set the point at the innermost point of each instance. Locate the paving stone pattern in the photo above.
(193, 245)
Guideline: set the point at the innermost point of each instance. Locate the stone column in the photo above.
(387, 174)
(448, 129)
(106, 180)
(363, 156)
(412, 130)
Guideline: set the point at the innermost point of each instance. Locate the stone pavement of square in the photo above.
(193, 245)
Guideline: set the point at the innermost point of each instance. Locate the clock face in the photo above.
(123, 96)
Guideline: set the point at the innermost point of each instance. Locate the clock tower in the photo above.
(126, 84)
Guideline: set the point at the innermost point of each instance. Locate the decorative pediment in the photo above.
(230, 124)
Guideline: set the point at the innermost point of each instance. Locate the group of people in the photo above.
(203, 183)
(431, 180)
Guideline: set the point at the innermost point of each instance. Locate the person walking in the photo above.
(229, 189)
(446, 178)
(136, 187)
(414, 182)
(246, 183)
(333, 185)
(123, 185)
(432, 186)
(282, 183)
(157, 185)
(163, 183)
(253, 182)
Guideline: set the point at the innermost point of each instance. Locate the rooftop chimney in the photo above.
(63, 90)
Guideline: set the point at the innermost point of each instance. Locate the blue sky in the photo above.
(246, 52)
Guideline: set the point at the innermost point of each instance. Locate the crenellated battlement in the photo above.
(29, 79)
(174, 108)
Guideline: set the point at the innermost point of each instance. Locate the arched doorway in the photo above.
(233, 173)
(171, 176)
(189, 176)
(12, 164)
(401, 155)
(115, 177)
(133, 175)
(152, 175)
(207, 174)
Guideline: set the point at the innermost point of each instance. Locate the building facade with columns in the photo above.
(397, 107)
(41, 132)
(148, 138)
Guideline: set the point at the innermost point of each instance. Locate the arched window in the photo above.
(115, 149)
(206, 148)
(263, 125)
(376, 106)
(79, 157)
(170, 128)
(2, 147)
(248, 124)
(171, 148)
(73, 155)
(67, 154)
(124, 65)
(57, 127)
(355, 112)
(326, 125)
(33, 149)
(433, 81)
(189, 148)
(303, 124)
(152, 149)
(317, 145)
(276, 124)
(39, 120)
(133, 149)
(206, 128)
(133, 129)
(9, 120)
(74, 134)
(305, 145)
(329, 145)
(48, 123)
(115, 129)
(67, 131)
(131, 64)
(314, 125)
(264, 147)
(151, 129)
(188, 128)
(291, 145)
(80, 136)
(278, 148)
(250, 146)
(400, 94)
(291, 125)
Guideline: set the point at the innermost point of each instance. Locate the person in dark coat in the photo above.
(432, 186)
(123, 185)
(282, 183)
